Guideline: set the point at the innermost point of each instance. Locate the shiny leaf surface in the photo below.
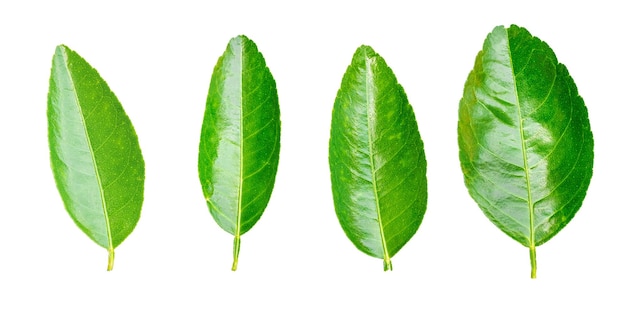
(94, 152)
(526, 147)
(376, 156)
(240, 139)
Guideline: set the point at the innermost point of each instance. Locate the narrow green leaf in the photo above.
(240, 139)
(94, 152)
(376, 156)
(526, 147)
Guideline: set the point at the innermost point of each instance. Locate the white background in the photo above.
(158, 59)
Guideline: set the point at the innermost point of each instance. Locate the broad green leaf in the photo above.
(94, 152)
(526, 147)
(377, 162)
(240, 139)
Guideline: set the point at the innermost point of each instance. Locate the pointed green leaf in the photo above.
(94, 152)
(526, 146)
(240, 139)
(377, 162)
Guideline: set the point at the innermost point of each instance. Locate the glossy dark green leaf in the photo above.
(377, 162)
(94, 152)
(526, 147)
(240, 139)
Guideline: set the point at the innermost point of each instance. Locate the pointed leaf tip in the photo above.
(241, 37)
(366, 49)
(365, 52)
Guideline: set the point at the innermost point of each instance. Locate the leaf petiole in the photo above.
(533, 262)
(387, 264)
(236, 245)
(111, 259)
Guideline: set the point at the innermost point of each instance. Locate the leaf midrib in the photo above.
(241, 142)
(91, 152)
(369, 94)
(531, 213)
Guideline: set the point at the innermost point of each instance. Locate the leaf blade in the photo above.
(240, 139)
(94, 151)
(525, 144)
(376, 158)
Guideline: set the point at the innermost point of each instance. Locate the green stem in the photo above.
(236, 245)
(387, 263)
(111, 258)
(533, 262)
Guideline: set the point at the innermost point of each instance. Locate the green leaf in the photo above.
(94, 152)
(526, 147)
(377, 162)
(240, 139)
